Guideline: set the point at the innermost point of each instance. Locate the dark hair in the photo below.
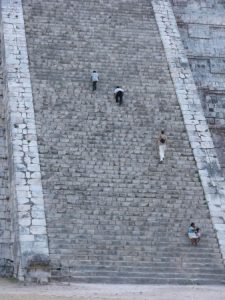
(162, 131)
(192, 224)
(117, 87)
(94, 71)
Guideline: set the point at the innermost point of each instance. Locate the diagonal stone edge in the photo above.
(28, 213)
(193, 115)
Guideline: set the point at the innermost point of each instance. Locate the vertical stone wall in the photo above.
(29, 225)
(6, 257)
(202, 27)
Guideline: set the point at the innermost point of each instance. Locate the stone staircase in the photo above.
(202, 27)
(6, 263)
(114, 214)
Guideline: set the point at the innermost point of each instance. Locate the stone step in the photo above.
(138, 246)
(144, 267)
(65, 258)
(169, 273)
(156, 264)
(177, 279)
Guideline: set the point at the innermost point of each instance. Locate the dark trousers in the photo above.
(119, 97)
(94, 85)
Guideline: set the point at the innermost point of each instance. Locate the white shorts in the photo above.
(192, 235)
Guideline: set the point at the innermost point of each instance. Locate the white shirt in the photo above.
(94, 76)
(118, 90)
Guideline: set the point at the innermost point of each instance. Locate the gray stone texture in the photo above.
(26, 197)
(114, 214)
(6, 265)
(202, 28)
(194, 119)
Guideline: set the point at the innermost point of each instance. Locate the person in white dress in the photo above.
(162, 142)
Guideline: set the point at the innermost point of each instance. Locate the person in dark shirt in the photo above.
(119, 94)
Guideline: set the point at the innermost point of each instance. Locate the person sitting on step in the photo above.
(192, 234)
(198, 233)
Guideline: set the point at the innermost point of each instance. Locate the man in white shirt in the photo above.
(94, 79)
(119, 94)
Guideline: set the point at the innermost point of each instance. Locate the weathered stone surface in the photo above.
(22, 147)
(6, 263)
(38, 268)
(204, 151)
(114, 214)
(202, 25)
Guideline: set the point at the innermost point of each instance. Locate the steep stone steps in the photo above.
(109, 203)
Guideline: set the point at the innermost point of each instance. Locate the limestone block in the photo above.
(26, 238)
(217, 65)
(199, 31)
